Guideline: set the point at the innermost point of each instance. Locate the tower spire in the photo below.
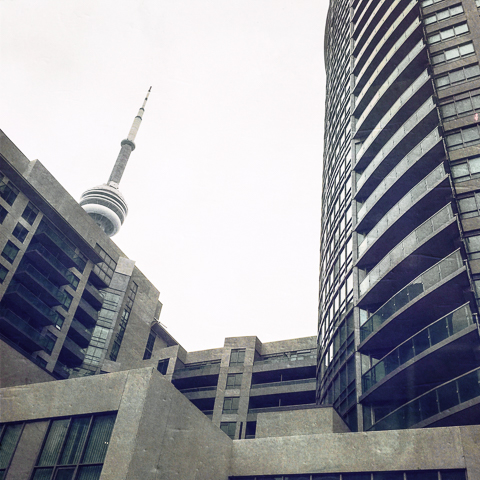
(127, 147)
(105, 203)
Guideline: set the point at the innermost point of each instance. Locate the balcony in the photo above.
(22, 299)
(79, 333)
(454, 403)
(413, 365)
(369, 33)
(379, 67)
(71, 354)
(20, 332)
(52, 266)
(416, 305)
(370, 108)
(385, 42)
(86, 313)
(304, 385)
(197, 370)
(200, 393)
(61, 371)
(51, 239)
(288, 401)
(381, 147)
(29, 276)
(426, 245)
(382, 189)
(92, 296)
(420, 203)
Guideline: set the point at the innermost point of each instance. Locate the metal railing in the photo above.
(407, 246)
(438, 400)
(421, 284)
(447, 326)
(284, 383)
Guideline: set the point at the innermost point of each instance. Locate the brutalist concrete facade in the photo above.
(158, 433)
(68, 294)
(398, 309)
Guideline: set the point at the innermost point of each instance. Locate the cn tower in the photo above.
(105, 203)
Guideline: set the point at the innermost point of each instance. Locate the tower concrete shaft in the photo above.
(127, 147)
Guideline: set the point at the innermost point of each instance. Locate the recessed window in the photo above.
(67, 300)
(30, 213)
(75, 446)
(149, 348)
(10, 252)
(3, 214)
(162, 366)
(448, 33)
(3, 273)
(8, 192)
(468, 168)
(230, 405)
(229, 428)
(469, 206)
(458, 76)
(453, 53)
(51, 340)
(74, 281)
(427, 3)
(234, 380)
(443, 14)
(20, 232)
(459, 107)
(463, 138)
(9, 435)
(237, 357)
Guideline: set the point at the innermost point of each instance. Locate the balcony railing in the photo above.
(66, 250)
(79, 333)
(401, 207)
(41, 257)
(28, 302)
(86, 313)
(286, 358)
(407, 246)
(279, 408)
(447, 326)
(402, 66)
(198, 389)
(16, 327)
(427, 280)
(299, 381)
(396, 107)
(187, 368)
(432, 139)
(373, 76)
(33, 279)
(434, 402)
(72, 352)
(92, 295)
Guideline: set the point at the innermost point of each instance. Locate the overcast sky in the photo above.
(224, 185)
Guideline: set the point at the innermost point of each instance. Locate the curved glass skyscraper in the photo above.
(400, 245)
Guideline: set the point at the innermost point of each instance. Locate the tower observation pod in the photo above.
(105, 203)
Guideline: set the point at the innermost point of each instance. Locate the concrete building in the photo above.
(68, 295)
(135, 424)
(160, 421)
(390, 388)
(400, 276)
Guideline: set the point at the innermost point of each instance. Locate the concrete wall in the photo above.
(435, 448)
(308, 421)
(158, 432)
(16, 369)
